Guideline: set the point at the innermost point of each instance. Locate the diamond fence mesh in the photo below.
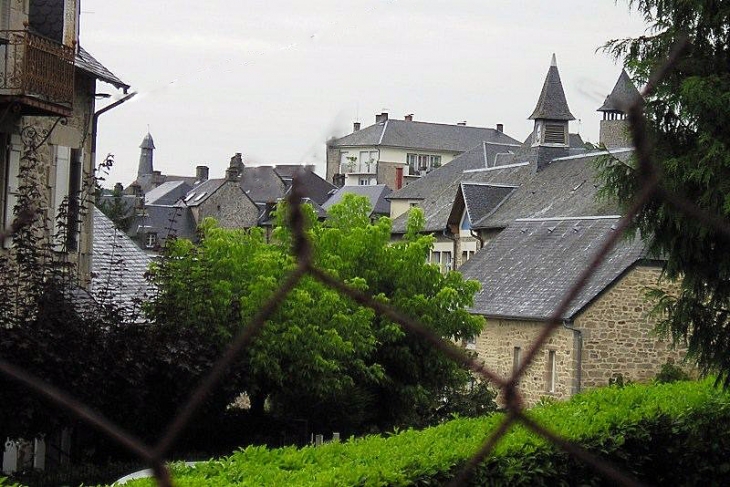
(155, 455)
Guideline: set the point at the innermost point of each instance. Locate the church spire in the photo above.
(146, 156)
(552, 104)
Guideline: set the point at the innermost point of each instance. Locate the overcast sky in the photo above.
(273, 79)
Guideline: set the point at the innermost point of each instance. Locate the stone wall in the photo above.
(496, 349)
(615, 335)
(618, 333)
(230, 207)
(615, 133)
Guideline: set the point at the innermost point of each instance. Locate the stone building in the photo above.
(523, 220)
(48, 121)
(161, 205)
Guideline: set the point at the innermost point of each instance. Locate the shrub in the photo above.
(671, 433)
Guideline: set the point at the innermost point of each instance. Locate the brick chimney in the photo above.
(383, 117)
(356, 126)
(201, 173)
(500, 127)
(409, 117)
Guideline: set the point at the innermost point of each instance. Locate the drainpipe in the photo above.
(578, 347)
(95, 123)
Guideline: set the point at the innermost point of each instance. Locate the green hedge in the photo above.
(677, 434)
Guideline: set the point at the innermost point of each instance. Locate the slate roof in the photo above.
(422, 135)
(552, 104)
(623, 95)
(565, 187)
(147, 142)
(527, 269)
(168, 193)
(262, 184)
(165, 221)
(197, 195)
(86, 62)
(481, 199)
(118, 266)
(375, 193)
(313, 186)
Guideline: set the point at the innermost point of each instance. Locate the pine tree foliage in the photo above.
(688, 118)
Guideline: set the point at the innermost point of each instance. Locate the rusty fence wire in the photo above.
(155, 455)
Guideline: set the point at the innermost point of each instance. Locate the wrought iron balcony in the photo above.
(36, 71)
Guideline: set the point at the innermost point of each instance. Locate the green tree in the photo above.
(688, 117)
(322, 356)
(117, 210)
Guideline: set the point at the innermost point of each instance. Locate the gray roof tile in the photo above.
(623, 95)
(552, 104)
(376, 193)
(118, 266)
(422, 135)
(86, 62)
(527, 269)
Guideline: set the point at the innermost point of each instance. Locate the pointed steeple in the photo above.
(614, 131)
(146, 156)
(552, 104)
(624, 95)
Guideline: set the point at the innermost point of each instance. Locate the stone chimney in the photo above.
(356, 126)
(201, 173)
(408, 118)
(235, 169)
(500, 128)
(383, 117)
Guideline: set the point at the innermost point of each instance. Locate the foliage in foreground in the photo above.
(321, 357)
(688, 116)
(676, 434)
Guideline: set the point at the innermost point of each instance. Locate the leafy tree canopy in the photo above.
(689, 127)
(322, 356)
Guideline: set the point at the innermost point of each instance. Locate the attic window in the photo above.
(554, 133)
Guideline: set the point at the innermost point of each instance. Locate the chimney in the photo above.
(338, 180)
(118, 189)
(463, 124)
(500, 127)
(201, 173)
(408, 118)
(356, 126)
(383, 117)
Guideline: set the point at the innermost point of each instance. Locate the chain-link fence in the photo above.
(155, 455)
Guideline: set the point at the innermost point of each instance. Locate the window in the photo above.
(9, 171)
(516, 359)
(367, 161)
(551, 372)
(465, 222)
(436, 258)
(471, 343)
(363, 181)
(420, 164)
(446, 258)
(150, 241)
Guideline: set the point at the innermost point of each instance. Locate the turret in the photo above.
(146, 157)
(615, 130)
(551, 116)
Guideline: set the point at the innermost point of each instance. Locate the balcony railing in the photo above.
(359, 167)
(33, 66)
